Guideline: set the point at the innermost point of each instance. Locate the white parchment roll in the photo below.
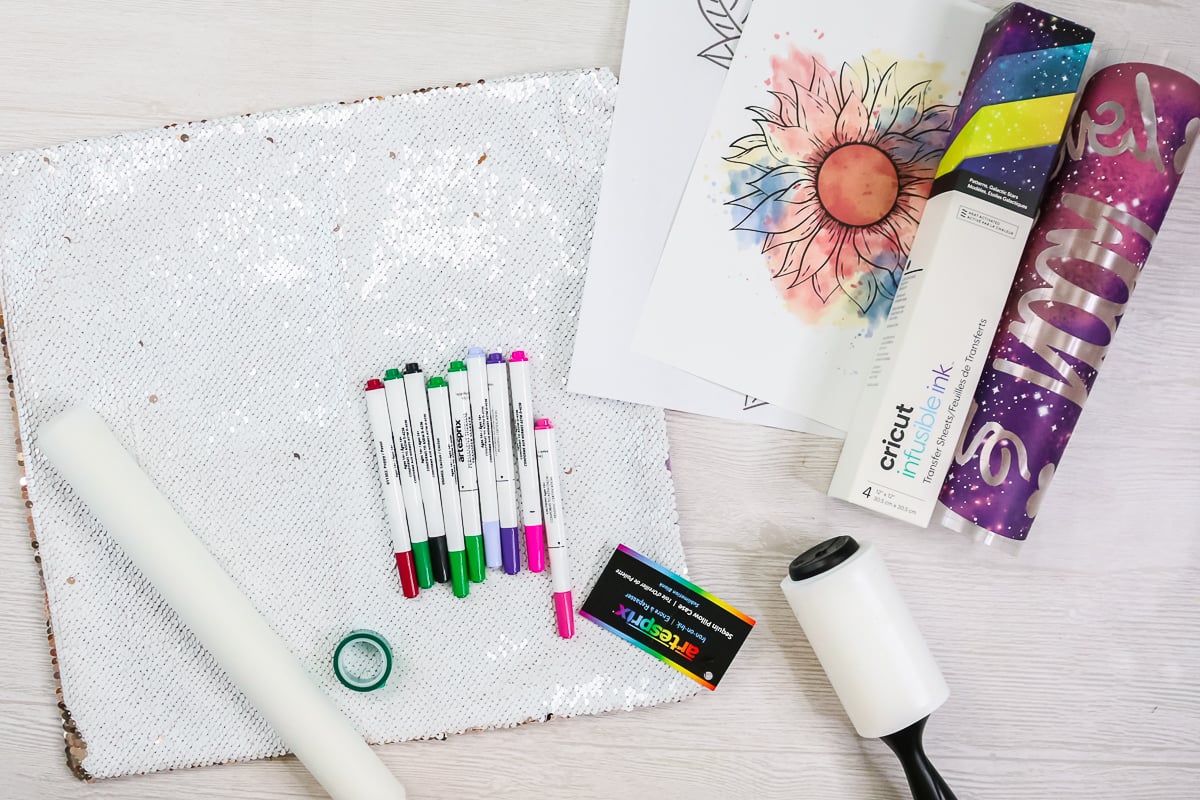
(108, 480)
(868, 643)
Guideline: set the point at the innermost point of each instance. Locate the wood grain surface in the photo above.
(1074, 661)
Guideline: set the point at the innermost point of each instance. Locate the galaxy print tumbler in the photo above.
(1122, 160)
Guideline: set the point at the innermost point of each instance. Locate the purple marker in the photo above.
(502, 448)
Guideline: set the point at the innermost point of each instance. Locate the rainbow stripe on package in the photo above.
(668, 616)
(1015, 106)
(986, 191)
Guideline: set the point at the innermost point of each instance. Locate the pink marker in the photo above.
(527, 465)
(560, 562)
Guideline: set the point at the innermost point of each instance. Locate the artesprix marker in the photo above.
(389, 481)
(468, 484)
(406, 462)
(527, 466)
(556, 535)
(506, 490)
(446, 463)
(422, 429)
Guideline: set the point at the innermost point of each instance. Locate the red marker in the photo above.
(389, 479)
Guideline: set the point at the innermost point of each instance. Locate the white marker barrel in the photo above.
(389, 476)
(406, 455)
(485, 465)
(468, 482)
(446, 462)
(864, 637)
(158, 542)
(464, 452)
(431, 496)
(527, 468)
(422, 434)
(502, 447)
(556, 531)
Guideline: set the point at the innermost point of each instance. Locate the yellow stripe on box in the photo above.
(1005, 127)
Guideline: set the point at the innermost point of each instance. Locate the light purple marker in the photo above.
(502, 448)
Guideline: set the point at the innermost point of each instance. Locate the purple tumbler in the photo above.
(1122, 160)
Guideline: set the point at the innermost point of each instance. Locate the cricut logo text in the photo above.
(891, 445)
(926, 416)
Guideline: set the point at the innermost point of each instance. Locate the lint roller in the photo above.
(871, 649)
(159, 543)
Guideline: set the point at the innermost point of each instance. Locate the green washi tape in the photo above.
(355, 681)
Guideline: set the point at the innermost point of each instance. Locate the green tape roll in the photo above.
(363, 683)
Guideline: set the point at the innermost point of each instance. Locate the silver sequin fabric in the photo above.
(220, 292)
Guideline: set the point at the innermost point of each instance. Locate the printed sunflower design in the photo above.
(836, 179)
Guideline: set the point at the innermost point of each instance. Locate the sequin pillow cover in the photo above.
(220, 292)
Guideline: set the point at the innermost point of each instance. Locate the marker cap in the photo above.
(391, 375)
(518, 355)
(535, 547)
(408, 573)
(476, 560)
(439, 556)
(475, 352)
(458, 366)
(458, 573)
(423, 565)
(436, 382)
(411, 367)
(542, 424)
(491, 543)
(495, 358)
(564, 613)
(510, 550)
(374, 384)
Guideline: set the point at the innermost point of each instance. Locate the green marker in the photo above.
(468, 483)
(446, 470)
(410, 488)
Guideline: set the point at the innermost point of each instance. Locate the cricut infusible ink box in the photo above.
(1004, 143)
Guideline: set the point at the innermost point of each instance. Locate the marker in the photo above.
(506, 491)
(468, 485)
(389, 477)
(406, 461)
(527, 466)
(422, 433)
(560, 562)
(445, 461)
(485, 463)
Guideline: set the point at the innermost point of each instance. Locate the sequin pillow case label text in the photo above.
(668, 616)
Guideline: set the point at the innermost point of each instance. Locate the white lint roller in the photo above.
(157, 540)
(871, 649)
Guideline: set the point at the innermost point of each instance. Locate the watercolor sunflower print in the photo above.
(833, 184)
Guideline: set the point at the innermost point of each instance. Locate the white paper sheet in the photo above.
(675, 59)
(801, 206)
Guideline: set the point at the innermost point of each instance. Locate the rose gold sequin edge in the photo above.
(74, 745)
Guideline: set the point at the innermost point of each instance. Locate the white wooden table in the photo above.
(1075, 664)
